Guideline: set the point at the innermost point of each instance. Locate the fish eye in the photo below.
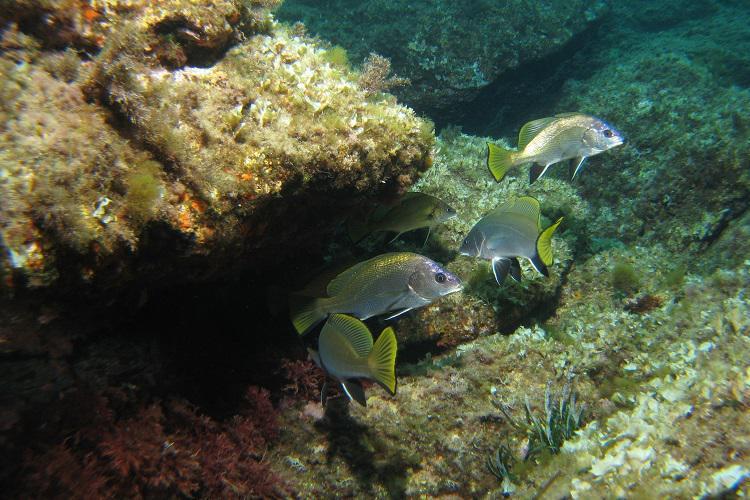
(440, 277)
(608, 133)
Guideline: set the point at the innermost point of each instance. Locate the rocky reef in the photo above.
(449, 51)
(168, 172)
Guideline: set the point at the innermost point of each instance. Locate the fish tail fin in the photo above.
(382, 360)
(305, 312)
(499, 160)
(544, 257)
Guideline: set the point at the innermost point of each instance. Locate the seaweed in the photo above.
(562, 417)
(624, 278)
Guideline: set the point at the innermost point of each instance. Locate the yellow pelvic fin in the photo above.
(382, 360)
(305, 312)
(544, 243)
(499, 160)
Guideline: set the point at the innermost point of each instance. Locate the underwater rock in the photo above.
(132, 165)
(187, 28)
(659, 390)
(449, 50)
(684, 112)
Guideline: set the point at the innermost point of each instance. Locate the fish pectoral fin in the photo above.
(500, 267)
(578, 163)
(536, 171)
(515, 269)
(354, 391)
(399, 313)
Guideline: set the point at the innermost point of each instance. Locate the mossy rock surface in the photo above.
(222, 168)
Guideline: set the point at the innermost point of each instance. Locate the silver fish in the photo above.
(389, 283)
(512, 230)
(551, 140)
(346, 353)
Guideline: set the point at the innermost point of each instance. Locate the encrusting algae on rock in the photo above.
(217, 153)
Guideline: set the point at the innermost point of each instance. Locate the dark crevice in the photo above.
(735, 210)
(530, 90)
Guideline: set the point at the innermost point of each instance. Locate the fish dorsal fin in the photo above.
(544, 243)
(382, 360)
(525, 206)
(531, 130)
(343, 280)
(414, 194)
(353, 331)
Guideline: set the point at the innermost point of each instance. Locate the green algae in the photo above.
(337, 56)
(144, 190)
(624, 278)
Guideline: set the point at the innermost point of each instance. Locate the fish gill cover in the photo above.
(168, 173)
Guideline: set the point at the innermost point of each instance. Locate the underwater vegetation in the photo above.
(160, 449)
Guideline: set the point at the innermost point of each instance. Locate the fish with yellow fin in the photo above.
(346, 352)
(546, 141)
(513, 229)
(413, 211)
(394, 282)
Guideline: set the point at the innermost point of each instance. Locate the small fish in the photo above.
(511, 230)
(392, 282)
(413, 211)
(346, 353)
(550, 140)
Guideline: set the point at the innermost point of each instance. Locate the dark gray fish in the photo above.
(512, 230)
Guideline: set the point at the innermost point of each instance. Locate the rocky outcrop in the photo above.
(449, 50)
(195, 142)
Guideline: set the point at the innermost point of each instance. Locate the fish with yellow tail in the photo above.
(394, 282)
(513, 229)
(346, 352)
(413, 211)
(546, 141)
